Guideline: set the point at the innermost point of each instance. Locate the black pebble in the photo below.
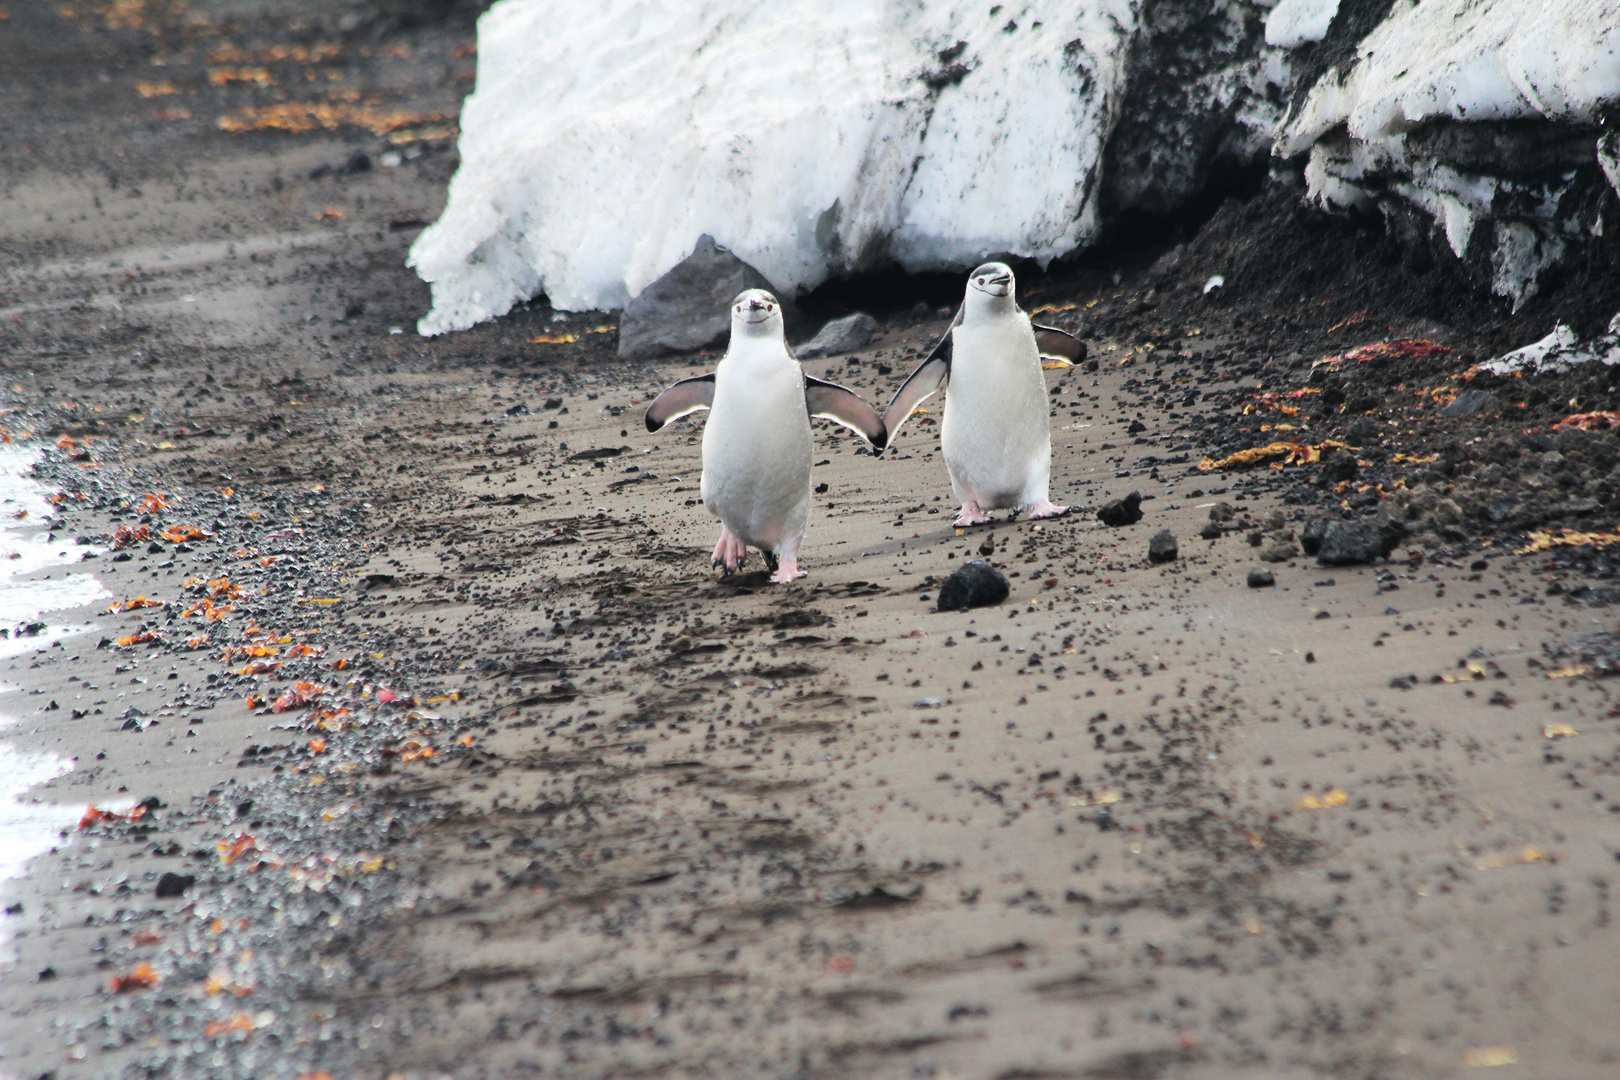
(1162, 548)
(1126, 511)
(1260, 577)
(975, 584)
(1211, 531)
(173, 884)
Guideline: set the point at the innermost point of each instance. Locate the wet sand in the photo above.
(1138, 821)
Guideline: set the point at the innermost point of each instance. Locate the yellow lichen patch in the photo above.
(301, 116)
(1330, 799)
(1291, 453)
(1559, 731)
(1489, 1057)
(1541, 540)
(554, 339)
(1529, 854)
(156, 89)
(222, 76)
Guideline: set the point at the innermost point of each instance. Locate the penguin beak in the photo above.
(755, 310)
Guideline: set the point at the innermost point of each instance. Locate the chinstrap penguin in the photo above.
(995, 434)
(757, 442)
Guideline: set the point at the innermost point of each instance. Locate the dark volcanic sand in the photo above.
(1138, 821)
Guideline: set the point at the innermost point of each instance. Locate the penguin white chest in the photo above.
(996, 436)
(757, 449)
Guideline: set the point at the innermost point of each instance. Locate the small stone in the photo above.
(1280, 551)
(1222, 511)
(839, 336)
(974, 584)
(1260, 577)
(1211, 531)
(987, 546)
(172, 884)
(1474, 403)
(1256, 538)
(1310, 537)
(1117, 512)
(1162, 547)
(1337, 467)
(1361, 432)
(1362, 541)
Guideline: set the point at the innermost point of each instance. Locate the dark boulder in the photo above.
(1473, 403)
(688, 308)
(839, 336)
(974, 584)
(1360, 541)
(172, 884)
(1162, 548)
(1117, 512)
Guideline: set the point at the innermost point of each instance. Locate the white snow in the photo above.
(1469, 60)
(1459, 60)
(803, 135)
(1294, 22)
(1559, 351)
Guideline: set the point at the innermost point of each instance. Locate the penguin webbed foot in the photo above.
(971, 515)
(729, 553)
(1043, 508)
(787, 571)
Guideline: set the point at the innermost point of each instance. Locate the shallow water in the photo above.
(29, 827)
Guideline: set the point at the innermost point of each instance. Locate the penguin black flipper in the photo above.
(843, 406)
(1059, 346)
(682, 399)
(922, 383)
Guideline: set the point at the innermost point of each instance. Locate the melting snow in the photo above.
(1294, 22)
(808, 136)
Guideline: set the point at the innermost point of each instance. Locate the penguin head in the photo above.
(990, 287)
(756, 313)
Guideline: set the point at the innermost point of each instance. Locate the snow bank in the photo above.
(808, 136)
(1468, 60)
(1450, 64)
(1294, 22)
(1559, 351)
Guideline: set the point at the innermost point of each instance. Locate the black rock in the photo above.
(1337, 467)
(839, 336)
(1474, 403)
(1260, 577)
(1162, 547)
(1117, 512)
(974, 584)
(1310, 537)
(1211, 531)
(689, 308)
(1279, 551)
(173, 884)
(1361, 432)
(1362, 541)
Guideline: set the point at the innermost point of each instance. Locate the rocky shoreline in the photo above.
(530, 791)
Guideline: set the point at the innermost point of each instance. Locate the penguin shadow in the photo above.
(740, 583)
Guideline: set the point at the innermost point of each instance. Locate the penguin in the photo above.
(757, 442)
(995, 435)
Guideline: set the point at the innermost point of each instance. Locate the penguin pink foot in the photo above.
(971, 515)
(729, 552)
(1043, 508)
(787, 570)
